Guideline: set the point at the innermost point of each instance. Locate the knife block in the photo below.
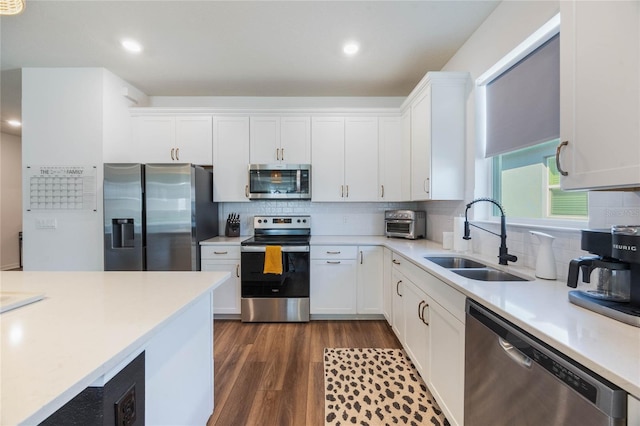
(232, 228)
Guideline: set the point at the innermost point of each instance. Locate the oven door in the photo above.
(293, 283)
(402, 228)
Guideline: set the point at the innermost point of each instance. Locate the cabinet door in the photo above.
(421, 146)
(398, 283)
(391, 154)
(226, 297)
(361, 159)
(446, 361)
(295, 140)
(416, 304)
(265, 140)
(194, 140)
(599, 86)
(327, 151)
(370, 275)
(230, 158)
(333, 287)
(406, 155)
(155, 137)
(387, 286)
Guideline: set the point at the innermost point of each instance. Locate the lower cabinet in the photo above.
(369, 280)
(226, 298)
(387, 285)
(428, 319)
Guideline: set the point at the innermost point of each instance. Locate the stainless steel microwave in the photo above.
(279, 181)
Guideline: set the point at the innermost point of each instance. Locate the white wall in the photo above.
(68, 114)
(509, 25)
(10, 200)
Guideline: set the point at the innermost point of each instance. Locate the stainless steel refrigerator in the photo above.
(155, 216)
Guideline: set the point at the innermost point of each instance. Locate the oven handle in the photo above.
(285, 249)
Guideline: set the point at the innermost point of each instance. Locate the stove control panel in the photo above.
(282, 222)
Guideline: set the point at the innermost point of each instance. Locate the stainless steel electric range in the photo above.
(276, 297)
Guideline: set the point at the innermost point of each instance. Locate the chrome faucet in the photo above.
(503, 255)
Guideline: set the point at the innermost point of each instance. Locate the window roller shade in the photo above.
(523, 103)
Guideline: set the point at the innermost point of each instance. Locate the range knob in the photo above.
(304, 220)
(298, 220)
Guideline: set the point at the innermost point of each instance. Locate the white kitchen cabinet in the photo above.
(179, 139)
(392, 152)
(416, 306)
(345, 158)
(230, 158)
(387, 285)
(437, 124)
(276, 139)
(599, 94)
(445, 370)
(406, 155)
(226, 298)
(333, 280)
(369, 276)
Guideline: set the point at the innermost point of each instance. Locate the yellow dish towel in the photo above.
(273, 260)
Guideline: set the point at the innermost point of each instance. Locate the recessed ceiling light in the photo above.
(351, 48)
(132, 46)
(14, 123)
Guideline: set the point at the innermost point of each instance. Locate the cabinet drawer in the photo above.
(334, 252)
(220, 252)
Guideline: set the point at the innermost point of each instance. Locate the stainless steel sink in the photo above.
(487, 274)
(453, 262)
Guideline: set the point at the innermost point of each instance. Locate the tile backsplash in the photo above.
(605, 209)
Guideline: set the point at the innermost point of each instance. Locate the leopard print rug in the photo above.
(376, 387)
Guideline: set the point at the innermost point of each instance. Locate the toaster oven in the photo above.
(408, 224)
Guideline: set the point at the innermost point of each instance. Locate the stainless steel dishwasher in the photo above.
(511, 378)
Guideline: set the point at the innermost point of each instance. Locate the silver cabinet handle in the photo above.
(220, 252)
(278, 154)
(282, 154)
(237, 270)
(514, 353)
(361, 257)
(426, 185)
(382, 196)
(397, 285)
(347, 191)
(333, 262)
(172, 150)
(341, 191)
(178, 154)
(395, 262)
(246, 191)
(426, 305)
(558, 149)
(333, 252)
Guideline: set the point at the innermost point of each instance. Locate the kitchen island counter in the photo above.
(87, 327)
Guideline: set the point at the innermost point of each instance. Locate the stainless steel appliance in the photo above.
(155, 215)
(276, 297)
(615, 290)
(408, 224)
(279, 181)
(511, 378)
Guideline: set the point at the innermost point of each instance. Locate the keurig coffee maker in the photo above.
(614, 290)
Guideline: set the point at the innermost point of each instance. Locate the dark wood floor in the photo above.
(272, 374)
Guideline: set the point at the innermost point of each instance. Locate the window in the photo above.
(521, 99)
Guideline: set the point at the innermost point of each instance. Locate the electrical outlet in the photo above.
(126, 408)
(48, 223)
(345, 219)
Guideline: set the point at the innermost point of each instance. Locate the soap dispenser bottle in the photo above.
(545, 263)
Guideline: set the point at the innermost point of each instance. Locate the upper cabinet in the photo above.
(280, 139)
(393, 160)
(437, 134)
(599, 95)
(166, 139)
(345, 159)
(230, 158)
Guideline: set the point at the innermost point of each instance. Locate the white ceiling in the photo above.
(240, 48)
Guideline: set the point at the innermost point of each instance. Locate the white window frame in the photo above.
(485, 214)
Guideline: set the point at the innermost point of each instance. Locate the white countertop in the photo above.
(540, 307)
(218, 241)
(87, 324)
